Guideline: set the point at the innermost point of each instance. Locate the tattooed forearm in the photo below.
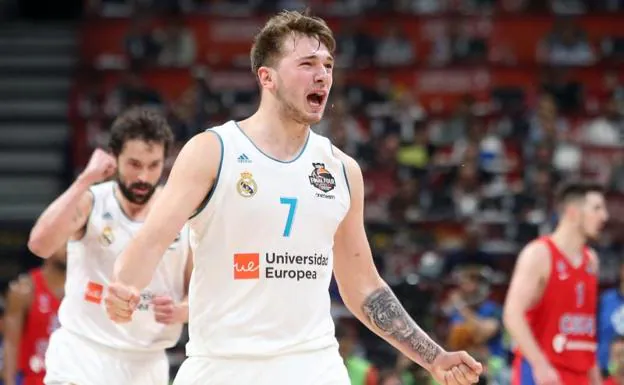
(385, 312)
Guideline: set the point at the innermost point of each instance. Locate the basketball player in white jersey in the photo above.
(99, 220)
(275, 210)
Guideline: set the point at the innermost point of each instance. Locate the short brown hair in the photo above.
(575, 190)
(267, 46)
(140, 123)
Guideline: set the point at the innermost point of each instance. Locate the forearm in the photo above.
(520, 331)
(53, 227)
(380, 310)
(136, 265)
(10, 362)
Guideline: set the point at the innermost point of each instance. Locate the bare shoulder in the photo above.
(201, 155)
(534, 258)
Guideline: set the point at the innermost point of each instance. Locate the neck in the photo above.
(569, 240)
(54, 275)
(274, 132)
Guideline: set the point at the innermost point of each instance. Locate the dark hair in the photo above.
(140, 123)
(575, 190)
(267, 46)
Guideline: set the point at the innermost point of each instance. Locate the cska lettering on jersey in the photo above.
(573, 326)
(273, 265)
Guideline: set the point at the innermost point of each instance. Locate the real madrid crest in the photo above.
(246, 186)
(107, 237)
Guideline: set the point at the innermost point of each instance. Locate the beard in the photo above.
(131, 196)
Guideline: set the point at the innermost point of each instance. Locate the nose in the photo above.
(322, 76)
(143, 175)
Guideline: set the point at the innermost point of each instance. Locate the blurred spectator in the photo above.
(457, 46)
(131, 91)
(393, 48)
(416, 154)
(475, 320)
(141, 47)
(470, 253)
(199, 102)
(356, 49)
(455, 128)
(616, 174)
(342, 128)
(566, 45)
(568, 7)
(608, 129)
(408, 114)
(546, 123)
(176, 44)
(566, 93)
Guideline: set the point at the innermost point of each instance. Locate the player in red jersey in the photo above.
(550, 310)
(32, 303)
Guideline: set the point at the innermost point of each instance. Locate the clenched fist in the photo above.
(101, 166)
(456, 368)
(167, 312)
(121, 301)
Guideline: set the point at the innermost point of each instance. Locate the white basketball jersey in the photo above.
(263, 251)
(90, 264)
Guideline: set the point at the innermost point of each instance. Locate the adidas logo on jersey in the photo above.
(243, 158)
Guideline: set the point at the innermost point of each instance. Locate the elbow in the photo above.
(37, 246)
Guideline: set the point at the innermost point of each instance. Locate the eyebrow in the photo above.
(313, 57)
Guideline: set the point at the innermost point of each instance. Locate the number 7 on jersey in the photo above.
(292, 203)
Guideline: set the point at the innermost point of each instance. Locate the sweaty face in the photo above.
(303, 78)
(139, 168)
(594, 215)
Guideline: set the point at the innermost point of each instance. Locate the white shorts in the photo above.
(72, 359)
(324, 367)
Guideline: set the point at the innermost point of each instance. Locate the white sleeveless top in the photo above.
(90, 264)
(263, 251)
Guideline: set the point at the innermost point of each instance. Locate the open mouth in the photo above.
(316, 99)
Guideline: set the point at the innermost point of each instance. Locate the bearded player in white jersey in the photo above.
(275, 210)
(99, 219)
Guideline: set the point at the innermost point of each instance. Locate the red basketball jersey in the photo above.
(41, 320)
(564, 321)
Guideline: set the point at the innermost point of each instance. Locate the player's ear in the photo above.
(265, 77)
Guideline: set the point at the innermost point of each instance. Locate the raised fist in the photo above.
(101, 166)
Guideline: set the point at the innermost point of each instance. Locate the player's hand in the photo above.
(456, 368)
(101, 166)
(167, 312)
(545, 374)
(121, 301)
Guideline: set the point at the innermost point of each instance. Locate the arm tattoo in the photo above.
(384, 311)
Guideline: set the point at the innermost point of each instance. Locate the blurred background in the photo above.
(464, 115)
